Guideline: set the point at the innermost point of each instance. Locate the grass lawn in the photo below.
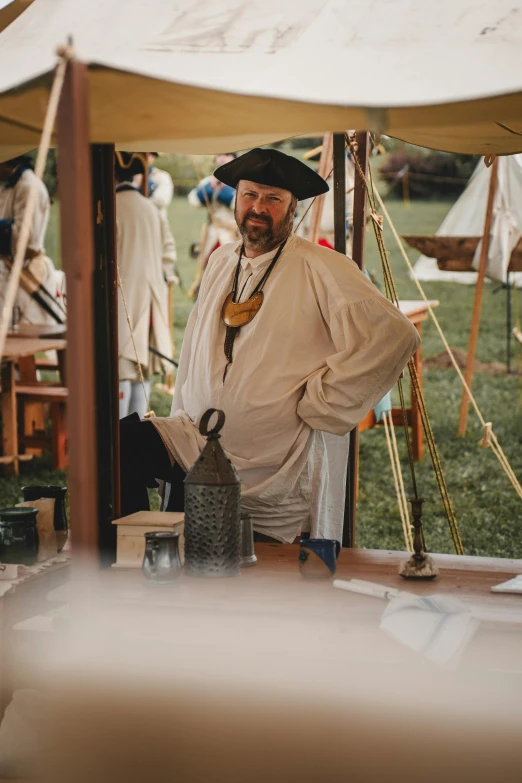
(486, 506)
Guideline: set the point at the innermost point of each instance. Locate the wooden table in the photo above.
(27, 597)
(285, 592)
(16, 350)
(338, 666)
(275, 587)
(417, 312)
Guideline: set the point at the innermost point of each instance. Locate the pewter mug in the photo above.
(161, 561)
(248, 557)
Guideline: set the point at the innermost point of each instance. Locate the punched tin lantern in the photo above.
(212, 508)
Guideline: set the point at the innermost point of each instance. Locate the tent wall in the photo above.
(228, 74)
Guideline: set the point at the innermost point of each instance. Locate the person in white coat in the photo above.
(161, 193)
(17, 177)
(221, 227)
(319, 347)
(139, 255)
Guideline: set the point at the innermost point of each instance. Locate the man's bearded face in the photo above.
(264, 215)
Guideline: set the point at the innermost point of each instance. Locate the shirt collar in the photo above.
(259, 262)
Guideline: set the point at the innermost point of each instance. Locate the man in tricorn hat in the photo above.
(293, 343)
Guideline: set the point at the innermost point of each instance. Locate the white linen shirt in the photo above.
(322, 350)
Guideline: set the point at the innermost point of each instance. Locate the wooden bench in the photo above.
(56, 442)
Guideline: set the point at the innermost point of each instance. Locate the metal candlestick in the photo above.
(420, 565)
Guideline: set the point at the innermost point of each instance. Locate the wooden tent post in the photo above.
(358, 244)
(325, 166)
(75, 190)
(477, 304)
(106, 345)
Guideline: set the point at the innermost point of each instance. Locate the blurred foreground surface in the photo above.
(272, 677)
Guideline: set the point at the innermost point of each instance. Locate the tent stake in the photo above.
(477, 304)
(75, 188)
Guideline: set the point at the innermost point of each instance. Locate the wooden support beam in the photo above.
(325, 167)
(358, 245)
(75, 191)
(106, 346)
(477, 304)
(9, 418)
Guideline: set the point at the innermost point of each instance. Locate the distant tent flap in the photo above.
(466, 219)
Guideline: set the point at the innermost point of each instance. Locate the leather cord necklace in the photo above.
(237, 314)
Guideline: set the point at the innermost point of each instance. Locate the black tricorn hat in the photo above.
(271, 167)
(127, 164)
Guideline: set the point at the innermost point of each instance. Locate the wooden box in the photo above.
(130, 546)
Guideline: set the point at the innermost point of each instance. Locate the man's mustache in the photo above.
(264, 218)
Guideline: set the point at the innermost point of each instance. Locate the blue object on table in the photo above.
(318, 557)
(383, 406)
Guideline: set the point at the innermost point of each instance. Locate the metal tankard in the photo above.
(161, 561)
(212, 508)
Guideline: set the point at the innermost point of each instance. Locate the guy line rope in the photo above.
(416, 388)
(489, 439)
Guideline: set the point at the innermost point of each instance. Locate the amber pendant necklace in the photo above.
(237, 314)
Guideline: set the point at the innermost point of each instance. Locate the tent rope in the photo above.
(64, 54)
(210, 221)
(391, 442)
(491, 441)
(150, 413)
(416, 387)
(310, 205)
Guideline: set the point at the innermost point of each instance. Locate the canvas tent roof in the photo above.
(466, 218)
(208, 75)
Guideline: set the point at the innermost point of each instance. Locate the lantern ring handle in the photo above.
(203, 424)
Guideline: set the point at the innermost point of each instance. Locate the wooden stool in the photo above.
(56, 397)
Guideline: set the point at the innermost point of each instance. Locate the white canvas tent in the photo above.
(466, 218)
(201, 76)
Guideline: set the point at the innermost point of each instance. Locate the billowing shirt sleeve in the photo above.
(373, 343)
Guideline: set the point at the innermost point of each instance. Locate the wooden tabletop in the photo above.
(277, 573)
(282, 662)
(28, 346)
(39, 330)
(416, 307)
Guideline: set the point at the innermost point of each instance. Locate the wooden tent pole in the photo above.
(358, 245)
(477, 304)
(75, 190)
(325, 166)
(106, 346)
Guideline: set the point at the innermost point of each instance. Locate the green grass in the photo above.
(487, 508)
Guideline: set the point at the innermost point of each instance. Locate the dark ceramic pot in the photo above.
(60, 517)
(18, 535)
